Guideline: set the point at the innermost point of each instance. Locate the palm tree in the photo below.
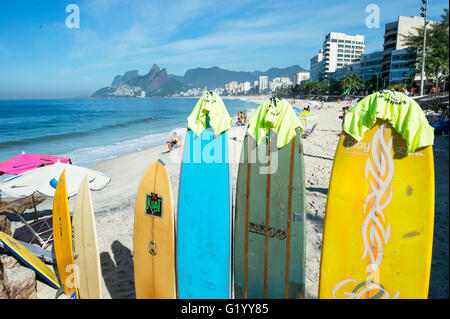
(437, 52)
(351, 81)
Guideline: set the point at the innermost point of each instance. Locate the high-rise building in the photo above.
(394, 39)
(300, 77)
(402, 66)
(263, 83)
(340, 49)
(246, 86)
(315, 66)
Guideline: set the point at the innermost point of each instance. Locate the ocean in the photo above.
(91, 130)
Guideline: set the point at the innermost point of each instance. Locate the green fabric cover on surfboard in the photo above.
(269, 274)
(277, 115)
(209, 112)
(401, 111)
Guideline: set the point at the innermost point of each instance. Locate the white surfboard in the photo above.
(86, 254)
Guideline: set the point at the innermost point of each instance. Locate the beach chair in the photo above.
(40, 229)
(308, 132)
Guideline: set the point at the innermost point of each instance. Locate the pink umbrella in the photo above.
(25, 162)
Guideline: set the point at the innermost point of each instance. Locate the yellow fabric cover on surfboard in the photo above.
(62, 238)
(86, 255)
(378, 230)
(154, 236)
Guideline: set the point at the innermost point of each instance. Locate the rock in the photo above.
(5, 225)
(7, 262)
(20, 283)
(3, 294)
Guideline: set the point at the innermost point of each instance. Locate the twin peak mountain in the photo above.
(159, 83)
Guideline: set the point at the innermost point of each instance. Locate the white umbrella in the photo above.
(44, 179)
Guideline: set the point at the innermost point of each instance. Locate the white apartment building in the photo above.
(280, 82)
(263, 83)
(315, 66)
(340, 49)
(246, 86)
(299, 77)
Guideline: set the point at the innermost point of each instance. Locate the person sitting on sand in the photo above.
(174, 141)
(245, 117)
(239, 119)
(345, 110)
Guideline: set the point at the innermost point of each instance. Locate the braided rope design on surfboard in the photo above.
(375, 230)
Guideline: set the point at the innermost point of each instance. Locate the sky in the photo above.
(42, 56)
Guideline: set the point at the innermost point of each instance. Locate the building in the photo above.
(315, 67)
(402, 66)
(280, 82)
(351, 68)
(394, 39)
(370, 65)
(299, 77)
(246, 86)
(263, 83)
(340, 49)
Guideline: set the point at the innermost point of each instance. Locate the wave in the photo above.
(62, 136)
(89, 156)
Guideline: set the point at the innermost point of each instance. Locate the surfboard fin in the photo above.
(60, 291)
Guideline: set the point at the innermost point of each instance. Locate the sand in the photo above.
(114, 205)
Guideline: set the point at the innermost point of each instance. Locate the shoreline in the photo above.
(114, 205)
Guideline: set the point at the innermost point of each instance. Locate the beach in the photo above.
(114, 205)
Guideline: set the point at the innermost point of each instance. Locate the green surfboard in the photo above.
(269, 240)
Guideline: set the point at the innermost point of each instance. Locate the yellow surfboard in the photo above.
(62, 239)
(154, 236)
(29, 259)
(378, 230)
(86, 255)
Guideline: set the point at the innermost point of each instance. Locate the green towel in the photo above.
(401, 111)
(212, 105)
(277, 115)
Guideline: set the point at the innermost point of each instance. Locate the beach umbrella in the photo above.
(25, 162)
(297, 109)
(306, 115)
(43, 180)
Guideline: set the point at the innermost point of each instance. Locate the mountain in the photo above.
(155, 83)
(159, 83)
(119, 79)
(215, 77)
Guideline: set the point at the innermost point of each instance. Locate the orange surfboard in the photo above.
(154, 236)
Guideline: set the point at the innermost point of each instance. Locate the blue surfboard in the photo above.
(204, 221)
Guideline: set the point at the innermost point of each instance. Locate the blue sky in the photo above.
(41, 58)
